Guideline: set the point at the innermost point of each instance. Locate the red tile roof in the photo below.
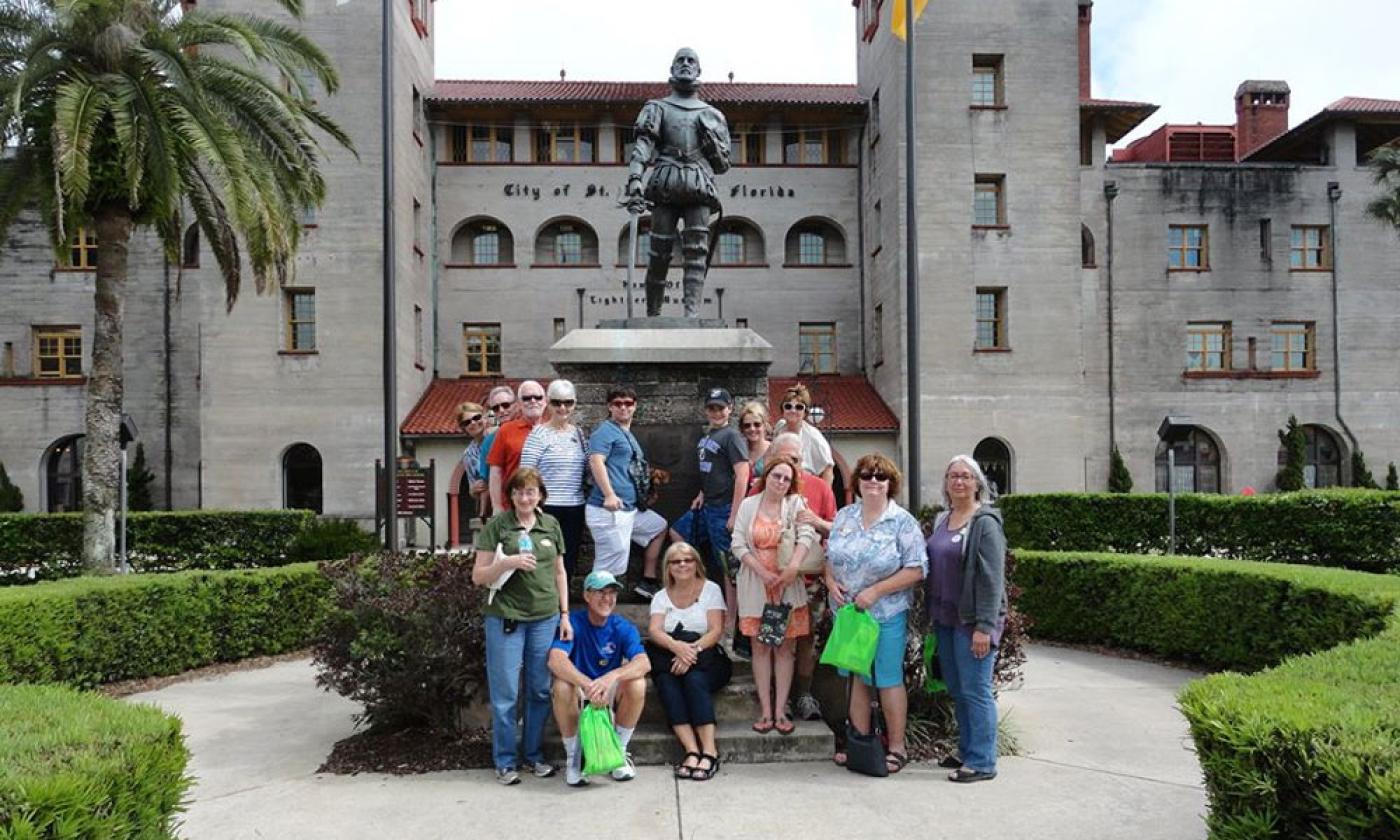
(1301, 143)
(1364, 105)
(852, 404)
(487, 92)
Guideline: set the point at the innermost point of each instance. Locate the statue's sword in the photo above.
(636, 206)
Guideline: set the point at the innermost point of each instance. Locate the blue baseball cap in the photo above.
(600, 580)
(718, 396)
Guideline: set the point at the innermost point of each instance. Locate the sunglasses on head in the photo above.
(475, 418)
(794, 406)
(562, 403)
(502, 406)
(874, 475)
(623, 403)
(531, 397)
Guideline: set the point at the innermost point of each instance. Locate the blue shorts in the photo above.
(709, 529)
(888, 669)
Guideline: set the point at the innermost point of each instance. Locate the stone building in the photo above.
(1221, 276)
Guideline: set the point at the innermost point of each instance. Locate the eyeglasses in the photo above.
(679, 560)
(562, 403)
(531, 397)
(623, 403)
(872, 475)
(502, 406)
(753, 425)
(475, 418)
(961, 477)
(794, 406)
(777, 476)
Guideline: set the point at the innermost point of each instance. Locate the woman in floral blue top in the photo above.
(875, 557)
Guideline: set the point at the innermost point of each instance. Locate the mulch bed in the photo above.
(128, 687)
(406, 752)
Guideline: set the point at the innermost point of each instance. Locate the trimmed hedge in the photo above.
(89, 631)
(48, 546)
(1309, 747)
(1353, 529)
(79, 765)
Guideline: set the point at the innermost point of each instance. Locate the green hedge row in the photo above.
(1353, 529)
(88, 631)
(80, 765)
(48, 546)
(1309, 747)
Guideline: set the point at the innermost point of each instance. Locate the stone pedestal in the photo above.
(671, 368)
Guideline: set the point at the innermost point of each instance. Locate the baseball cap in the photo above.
(600, 580)
(718, 396)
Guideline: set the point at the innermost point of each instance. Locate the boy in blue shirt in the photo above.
(604, 664)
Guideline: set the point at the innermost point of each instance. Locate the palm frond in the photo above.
(79, 105)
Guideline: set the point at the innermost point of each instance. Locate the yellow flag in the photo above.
(897, 17)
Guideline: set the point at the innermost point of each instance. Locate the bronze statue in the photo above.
(687, 141)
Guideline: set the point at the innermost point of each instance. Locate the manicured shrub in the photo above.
(12, 499)
(1119, 479)
(80, 765)
(1360, 473)
(1344, 528)
(88, 631)
(330, 539)
(404, 637)
(139, 479)
(1392, 478)
(1295, 451)
(48, 546)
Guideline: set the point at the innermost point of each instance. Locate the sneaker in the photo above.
(573, 772)
(507, 776)
(627, 772)
(540, 770)
(807, 709)
(646, 588)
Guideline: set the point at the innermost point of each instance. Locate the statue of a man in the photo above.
(688, 141)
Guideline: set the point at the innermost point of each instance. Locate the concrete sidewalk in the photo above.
(1106, 755)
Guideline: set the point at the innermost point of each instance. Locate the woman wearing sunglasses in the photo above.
(557, 449)
(471, 419)
(816, 452)
(753, 425)
(875, 557)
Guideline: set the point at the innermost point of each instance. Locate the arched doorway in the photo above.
(994, 457)
(63, 475)
(1198, 460)
(301, 478)
(1322, 466)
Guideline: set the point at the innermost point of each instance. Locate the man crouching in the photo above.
(604, 664)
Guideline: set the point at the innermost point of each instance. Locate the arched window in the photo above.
(566, 242)
(63, 475)
(1086, 247)
(189, 252)
(1322, 467)
(815, 242)
(301, 478)
(483, 241)
(739, 243)
(1197, 460)
(624, 240)
(994, 457)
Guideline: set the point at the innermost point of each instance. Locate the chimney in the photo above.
(1086, 17)
(1261, 114)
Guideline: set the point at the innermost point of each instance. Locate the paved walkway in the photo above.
(1106, 755)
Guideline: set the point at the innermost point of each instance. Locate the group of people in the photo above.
(744, 575)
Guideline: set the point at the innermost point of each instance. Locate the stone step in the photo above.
(738, 744)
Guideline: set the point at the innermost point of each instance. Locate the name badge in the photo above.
(546, 544)
(957, 538)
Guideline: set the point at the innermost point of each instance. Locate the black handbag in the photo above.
(865, 754)
(640, 472)
(661, 657)
(773, 624)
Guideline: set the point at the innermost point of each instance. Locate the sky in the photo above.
(1184, 55)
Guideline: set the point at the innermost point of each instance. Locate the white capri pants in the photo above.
(612, 530)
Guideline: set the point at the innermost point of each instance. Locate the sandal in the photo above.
(784, 725)
(702, 773)
(895, 761)
(950, 762)
(967, 774)
(686, 771)
(839, 759)
(763, 726)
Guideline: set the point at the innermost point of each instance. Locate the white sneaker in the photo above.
(573, 772)
(507, 776)
(627, 772)
(542, 770)
(807, 708)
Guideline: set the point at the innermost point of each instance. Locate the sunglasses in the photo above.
(794, 406)
(777, 476)
(532, 398)
(623, 403)
(754, 425)
(869, 475)
(562, 403)
(679, 560)
(503, 405)
(475, 418)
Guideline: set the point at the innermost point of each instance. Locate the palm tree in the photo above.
(1386, 206)
(125, 113)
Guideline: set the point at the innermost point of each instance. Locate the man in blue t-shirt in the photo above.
(604, 664)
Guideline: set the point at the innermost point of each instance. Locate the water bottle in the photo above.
(526, 545)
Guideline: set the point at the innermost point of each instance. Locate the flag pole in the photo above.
(911, 269)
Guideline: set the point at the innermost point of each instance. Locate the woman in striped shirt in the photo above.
(557, 449)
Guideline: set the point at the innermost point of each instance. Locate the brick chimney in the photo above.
(1261, 114)
(1086, 17)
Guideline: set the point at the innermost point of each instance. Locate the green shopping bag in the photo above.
(851, 646)
(602, 752)
(933, 671)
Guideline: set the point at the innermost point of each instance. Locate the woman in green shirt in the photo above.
(520, 558)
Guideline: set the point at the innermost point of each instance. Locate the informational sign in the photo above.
(414, 492)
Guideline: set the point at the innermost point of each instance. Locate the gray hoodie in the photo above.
(982, 601)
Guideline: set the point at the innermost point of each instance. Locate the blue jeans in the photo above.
(970, 684)
(507, 655)
(706, 524)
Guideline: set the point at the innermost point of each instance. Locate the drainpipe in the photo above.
(861, 151)
(1110, 192)
(1334, 195)
(433, 266)
(169, 456)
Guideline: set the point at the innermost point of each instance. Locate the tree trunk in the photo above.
(102, 418)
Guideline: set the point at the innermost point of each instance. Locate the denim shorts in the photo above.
(888, 669)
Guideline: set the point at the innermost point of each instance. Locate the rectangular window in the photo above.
(989, 201)
(419, 129)
(486, 245)
(1188, 248)
(731, 248)
(479, 143)
(1208, 345)
(749, 144)
(741, 323)
(58, 352)
(566, 143)
(568, 246)
(83, 251)
(1310, 248)
(986, 82)
(878, 334)
(300, 307)
(811, 248)
(1293, 343)
(816, 348)
(1266, 233)
(418, 336)
(870, 18)
(814, 146)
(626, 141)
(991, 320)
(481, 344)
(308, 216)
(559, 328)
(417, 227)
(877, 227)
